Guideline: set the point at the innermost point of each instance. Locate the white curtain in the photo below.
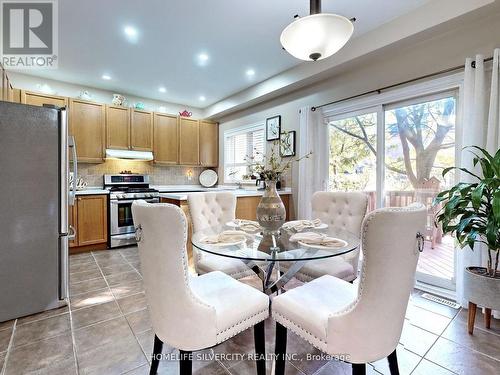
(480, 127)
(313, 172)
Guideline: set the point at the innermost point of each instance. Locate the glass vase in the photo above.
(271, 213)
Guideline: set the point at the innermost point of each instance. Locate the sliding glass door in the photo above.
(396, 154)
(353, 154)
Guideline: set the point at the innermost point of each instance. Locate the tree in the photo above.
(420, 131)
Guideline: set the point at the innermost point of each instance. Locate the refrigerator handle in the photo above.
(72, 146)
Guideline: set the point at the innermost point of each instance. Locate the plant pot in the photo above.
(481, 289)
(271, 213)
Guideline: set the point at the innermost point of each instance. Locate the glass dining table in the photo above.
(274, 258)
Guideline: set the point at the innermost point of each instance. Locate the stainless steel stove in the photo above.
(124, 189)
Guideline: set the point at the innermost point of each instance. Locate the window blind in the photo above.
(238, 145)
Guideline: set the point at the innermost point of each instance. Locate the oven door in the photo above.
(121, 221)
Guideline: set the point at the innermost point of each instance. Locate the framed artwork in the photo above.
(273, 128)
(287, 144)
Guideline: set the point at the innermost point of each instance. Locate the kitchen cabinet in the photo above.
(14, 95)
(189, 142)
(166, 139)
(209, 143)
(117, 127)
(89, 217)
(141, 130)
(87, 125)
(246, 207)
(39, 99)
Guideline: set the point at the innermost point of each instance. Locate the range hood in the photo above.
(127, 154)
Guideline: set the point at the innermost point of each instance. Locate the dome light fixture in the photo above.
(317, 36)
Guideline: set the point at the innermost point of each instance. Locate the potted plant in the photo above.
(471, 211)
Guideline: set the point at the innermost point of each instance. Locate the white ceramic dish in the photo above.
(208, 178)
(224, 244)
(341, 244)
(290, 224)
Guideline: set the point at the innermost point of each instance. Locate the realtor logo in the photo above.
(29, 34)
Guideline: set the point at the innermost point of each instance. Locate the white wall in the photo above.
(434, 50)
(33, 83)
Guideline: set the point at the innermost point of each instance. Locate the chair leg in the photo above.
(185, 363)
(259, 337)
(393, 363)
(358, 369)
(471, 317)
(157, 347)
(487, 318)
(280, 349)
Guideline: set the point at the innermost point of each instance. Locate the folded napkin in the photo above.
(320, 239)
(228, 236)
(247, 225)
(300, 225)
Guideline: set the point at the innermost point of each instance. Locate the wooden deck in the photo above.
(439, 261)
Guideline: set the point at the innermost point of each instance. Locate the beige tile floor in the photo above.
(106, 330)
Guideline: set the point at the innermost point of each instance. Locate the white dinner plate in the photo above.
(223, 244)
(341, 244)
(208, 178)
(289, 224)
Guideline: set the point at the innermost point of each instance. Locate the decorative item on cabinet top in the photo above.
(118, 99)
(185, 113)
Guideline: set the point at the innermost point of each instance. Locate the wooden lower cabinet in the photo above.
(89, 217)
(246, 208)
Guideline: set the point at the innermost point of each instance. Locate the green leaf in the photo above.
(496, 206)
(477, 196)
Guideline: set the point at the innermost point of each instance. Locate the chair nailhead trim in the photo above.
(305, 334)
(221, 336)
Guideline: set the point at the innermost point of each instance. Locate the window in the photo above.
(238, 145)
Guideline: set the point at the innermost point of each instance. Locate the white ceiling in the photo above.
(237, 35)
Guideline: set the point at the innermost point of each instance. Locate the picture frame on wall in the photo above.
(287, 144)
(273, 128)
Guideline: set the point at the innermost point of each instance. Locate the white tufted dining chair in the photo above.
(364, 322)
(344, 210)
(208, 210)
(190, 313)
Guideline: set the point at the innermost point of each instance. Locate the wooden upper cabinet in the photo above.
(92, 219)
(117, 127)
(87, 125)
(209, 144)
(189, 141)
(35, 98)
(166, 139)
(141, 130)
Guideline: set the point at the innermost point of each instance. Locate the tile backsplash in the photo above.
(159, 175)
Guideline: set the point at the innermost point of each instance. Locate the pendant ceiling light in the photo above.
(316, 36)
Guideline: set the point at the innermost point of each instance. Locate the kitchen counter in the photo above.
(92, 191)
(182, 196)
(189, 188)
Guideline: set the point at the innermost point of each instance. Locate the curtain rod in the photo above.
(378, 91)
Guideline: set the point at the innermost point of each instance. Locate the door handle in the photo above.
(72, 233)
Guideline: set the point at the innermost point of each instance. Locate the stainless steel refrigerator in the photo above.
(34, 198)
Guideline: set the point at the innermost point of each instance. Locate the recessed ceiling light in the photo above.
(131, 33)
(250, 72)
(203, 59)
(202, 98)
(162, 89)
(106, 77)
